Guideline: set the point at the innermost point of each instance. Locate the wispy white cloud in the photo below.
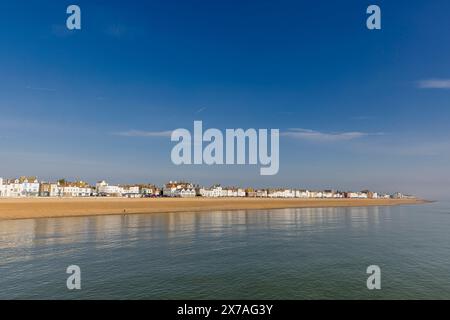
(140, 133)
(201, 110)
(40, 89)
(434, 84)
(312, 135)
(362, 118)
(419, 149)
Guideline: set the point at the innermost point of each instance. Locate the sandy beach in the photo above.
(66, 207)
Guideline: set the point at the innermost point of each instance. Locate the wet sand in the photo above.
(28, 208)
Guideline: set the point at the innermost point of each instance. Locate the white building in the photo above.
(282, 193)
(15, 189)
(398, 195)
(363, 195)
(316, 194)
(302, 194)
(327, 194)
(131, 191)
(338, 195)
(229, 192)
(225, 193)
(187, 193)
(55, 190)
(148, 190)
(213, 192)
(30, 186)
(21, 187)
(357, 195)
(217, 191)
(274, 194)
(73, 190)
(207, 193)
(179, 189)
(261, 193)
(104, 188)
(2, 188)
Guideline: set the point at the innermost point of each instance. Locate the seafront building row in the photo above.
(32, 187)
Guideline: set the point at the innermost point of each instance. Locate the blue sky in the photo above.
(378, 102)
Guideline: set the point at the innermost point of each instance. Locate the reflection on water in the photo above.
(49, 232)
(287, 253)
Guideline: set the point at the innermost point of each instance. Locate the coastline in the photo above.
(30, 208)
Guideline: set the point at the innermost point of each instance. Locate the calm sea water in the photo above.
(277, 254)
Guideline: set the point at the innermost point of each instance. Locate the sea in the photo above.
(293, 254)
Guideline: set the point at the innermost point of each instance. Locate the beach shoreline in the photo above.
(30, 208)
